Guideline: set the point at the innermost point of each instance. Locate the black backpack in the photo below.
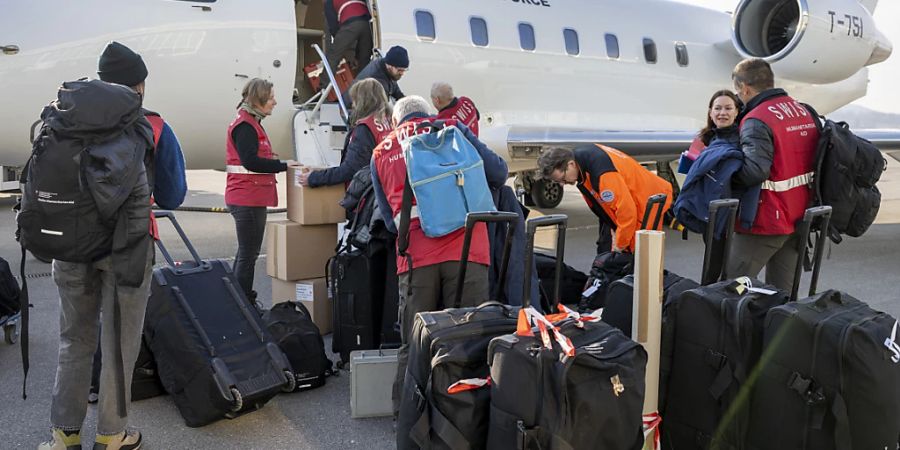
(292, 328)
(9, 291)
(847, 168)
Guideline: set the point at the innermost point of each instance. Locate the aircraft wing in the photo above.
(525, 142)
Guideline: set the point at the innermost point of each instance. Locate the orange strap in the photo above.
(469, 384)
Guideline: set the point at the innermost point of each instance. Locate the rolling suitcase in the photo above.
(214, 356)
(620, 296)
(390, 323)
(357, 283)
(444, 401)
(717, 343)
(571, 384)
(829, 377)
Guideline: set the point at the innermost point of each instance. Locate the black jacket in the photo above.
(358, 153)
(376, 69)
(757, 143)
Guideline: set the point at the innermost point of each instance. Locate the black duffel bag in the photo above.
(292, 328)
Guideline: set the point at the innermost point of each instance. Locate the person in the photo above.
(614, 185)
(251, 165)
(778, 139)
(718, 153)
(387, 70)
(451, 107)
(87, 288)
(435, 261)
(348, 26)
(371, 125)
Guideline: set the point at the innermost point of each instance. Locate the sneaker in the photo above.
(62, 440)
(126, 440)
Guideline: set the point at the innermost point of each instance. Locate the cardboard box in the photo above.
(313, 294)
(298, 252)
(313, 206)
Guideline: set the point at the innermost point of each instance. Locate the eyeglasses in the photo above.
(561, 179)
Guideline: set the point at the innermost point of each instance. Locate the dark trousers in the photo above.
(778, 254)
(604, 240)
(355, 36)
(250, 223)
(433, 288)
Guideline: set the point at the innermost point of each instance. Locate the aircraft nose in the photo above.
(882, 51)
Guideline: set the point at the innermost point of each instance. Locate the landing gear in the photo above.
(546, 194)
(538, 192)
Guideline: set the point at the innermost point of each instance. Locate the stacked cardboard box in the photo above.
(299, 248)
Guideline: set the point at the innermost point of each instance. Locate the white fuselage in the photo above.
(200, 54)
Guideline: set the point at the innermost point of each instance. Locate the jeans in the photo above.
(86, 289)
(433, 289)
(250, 223)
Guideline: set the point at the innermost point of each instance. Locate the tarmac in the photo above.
(866, 268)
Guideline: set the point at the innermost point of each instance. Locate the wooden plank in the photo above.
(647, 317)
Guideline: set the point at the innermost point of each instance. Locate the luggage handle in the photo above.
(488, 216)
(822, 214)
(561, 222)
(654, 200)
(485, 305)
(201, 265)
(731, 207)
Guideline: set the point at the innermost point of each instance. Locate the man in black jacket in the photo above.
(386, 70)
(778, 139)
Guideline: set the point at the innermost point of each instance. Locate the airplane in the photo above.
(633, 74)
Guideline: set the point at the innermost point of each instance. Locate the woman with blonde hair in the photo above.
(251, 165)
(371, 124)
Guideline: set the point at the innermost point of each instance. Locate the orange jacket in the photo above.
(616, 188)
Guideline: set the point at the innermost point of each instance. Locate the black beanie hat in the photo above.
(120, 65)
(397, 57)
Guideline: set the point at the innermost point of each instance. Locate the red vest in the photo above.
(156, 122)
(425, 251)
(464, 111)
(787, 193)
(380, 128)
(348, 9)
(248, 188)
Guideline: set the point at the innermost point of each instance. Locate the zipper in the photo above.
(446, 174)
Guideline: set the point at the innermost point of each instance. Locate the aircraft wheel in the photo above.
(546, 194)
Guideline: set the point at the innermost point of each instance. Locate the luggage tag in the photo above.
(742, 285)
(891, 344)
(593, 288)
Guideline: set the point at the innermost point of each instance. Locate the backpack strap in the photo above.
(156, 122)
(819, 119)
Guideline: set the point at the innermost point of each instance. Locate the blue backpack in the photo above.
(446, 175)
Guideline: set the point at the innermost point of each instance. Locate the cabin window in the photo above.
(612, 46)
(526, 36)
(649, 51)
(479, 30)
(571, 38)
(681, 54)
(425, 25)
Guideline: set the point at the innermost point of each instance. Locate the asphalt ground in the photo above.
(868, 268)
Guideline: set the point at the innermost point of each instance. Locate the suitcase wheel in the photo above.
(291, 384)
(238, 400)
(11, 332)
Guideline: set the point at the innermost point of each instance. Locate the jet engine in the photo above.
(816, 41)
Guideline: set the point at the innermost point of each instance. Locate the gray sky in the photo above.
(883, 94)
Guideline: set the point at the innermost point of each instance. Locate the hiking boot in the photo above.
(62, 440)
(126, 440)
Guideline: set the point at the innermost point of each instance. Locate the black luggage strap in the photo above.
(842, 439)
(807, 388)
(23, 310)
(723, 377)
(431, 419)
